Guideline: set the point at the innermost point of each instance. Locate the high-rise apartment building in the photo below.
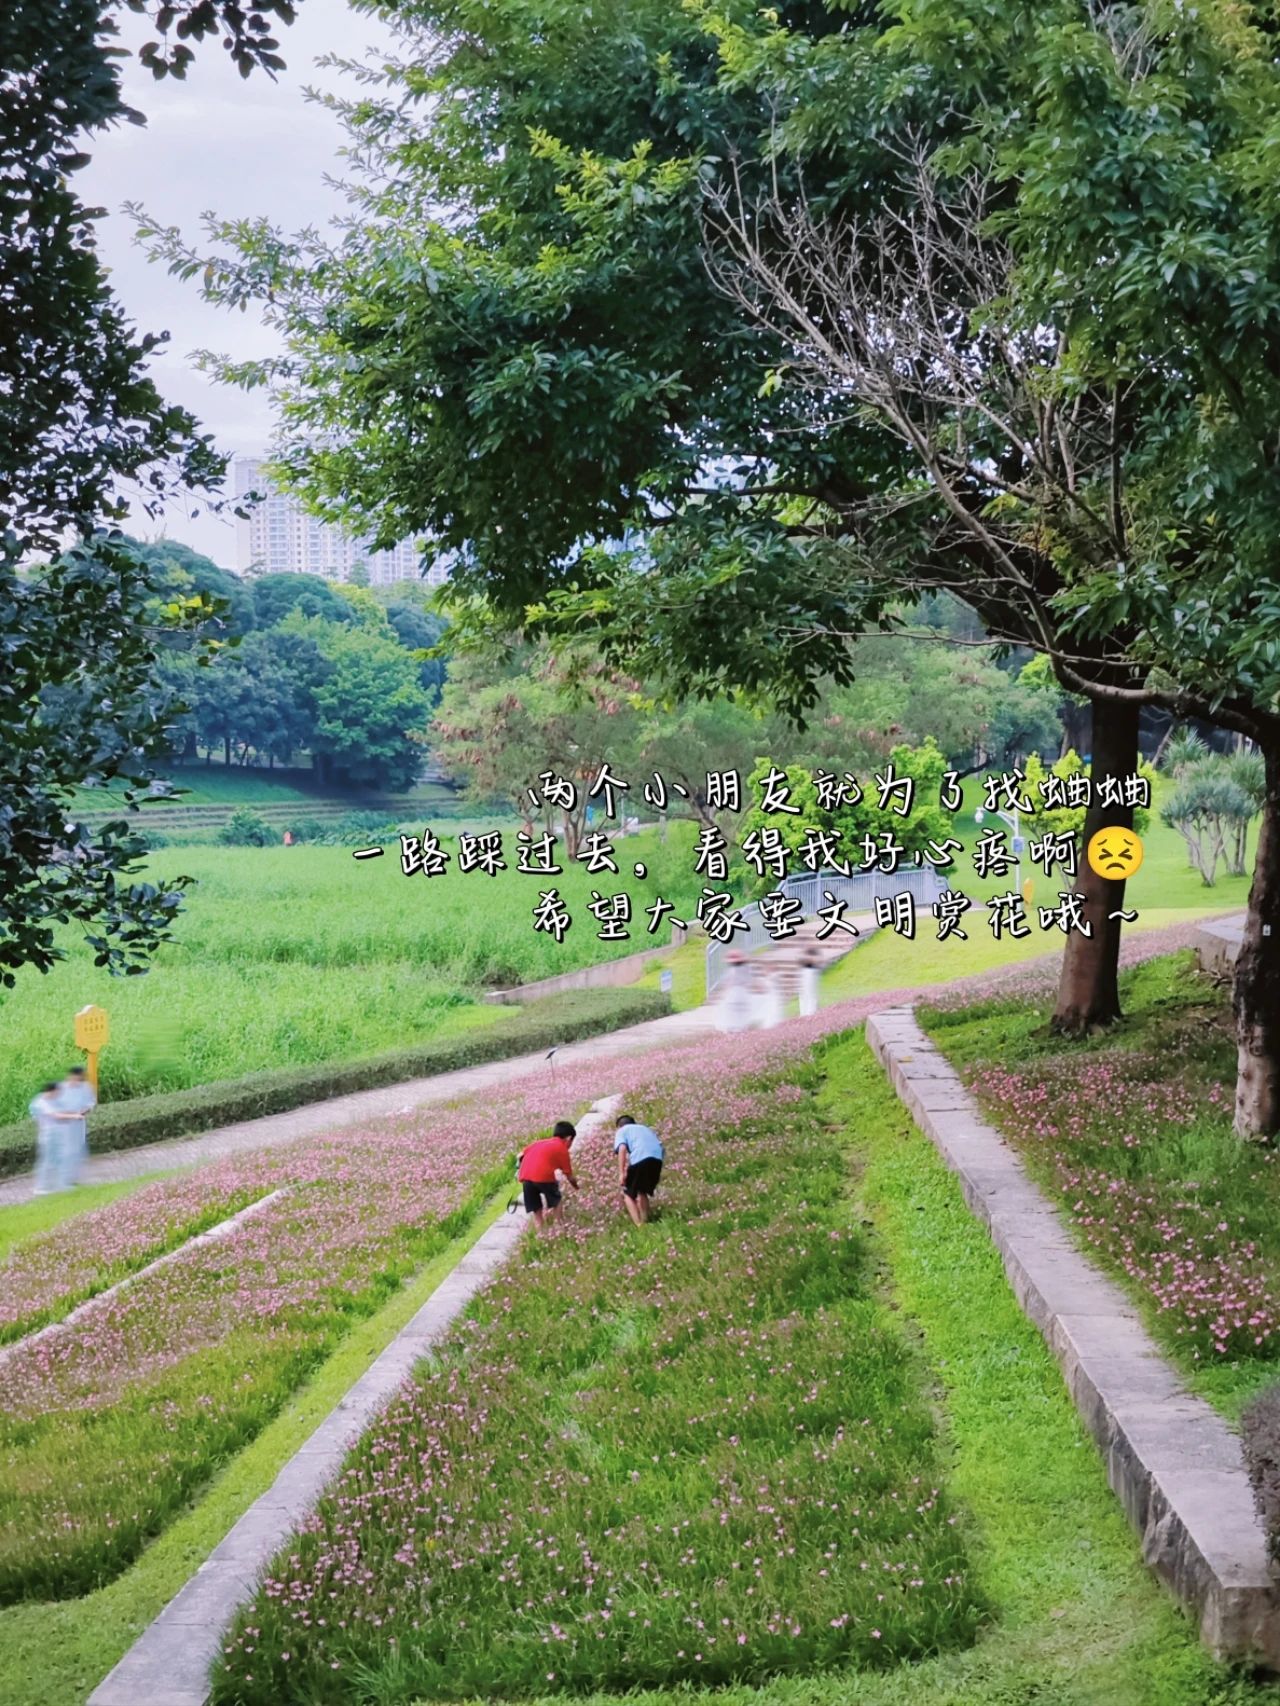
(280, 537)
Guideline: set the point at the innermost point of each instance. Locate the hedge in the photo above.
(182, 1113)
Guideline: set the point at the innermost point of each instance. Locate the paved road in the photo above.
(676, 1028)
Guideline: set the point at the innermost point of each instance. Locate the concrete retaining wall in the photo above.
(1218, 944)
(1172, 1461)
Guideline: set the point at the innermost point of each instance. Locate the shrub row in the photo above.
(182, 1113)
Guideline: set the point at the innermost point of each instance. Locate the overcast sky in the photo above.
(236, 147)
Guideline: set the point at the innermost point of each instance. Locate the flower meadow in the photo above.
(1134, 1137)
(110, 1422)
(693, 1452)
(44, 1277)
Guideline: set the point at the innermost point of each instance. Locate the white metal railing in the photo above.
(859, 893)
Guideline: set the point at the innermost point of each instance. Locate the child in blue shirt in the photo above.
(640, 1156)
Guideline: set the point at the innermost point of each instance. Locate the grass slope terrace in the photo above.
(1130, 1132)
(108, 1426)
(696, 1454)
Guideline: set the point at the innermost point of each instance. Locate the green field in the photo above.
(302, 955)
(291, 956)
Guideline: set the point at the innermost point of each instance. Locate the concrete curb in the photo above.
(169, 1663)
(1173, 1462)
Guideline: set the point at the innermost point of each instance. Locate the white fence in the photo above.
(813, 890)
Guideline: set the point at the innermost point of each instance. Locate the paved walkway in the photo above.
(404, 1098)
(676, 1028)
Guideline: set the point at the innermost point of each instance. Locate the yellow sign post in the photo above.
(1028, 889)
(93, 1032)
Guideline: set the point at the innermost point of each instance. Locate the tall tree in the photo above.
(1147, 226)
(785, 473)
(80, 420)
(370, 712)
(544, 710)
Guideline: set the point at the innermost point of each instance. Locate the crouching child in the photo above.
(640, 1155)
(542, 1165)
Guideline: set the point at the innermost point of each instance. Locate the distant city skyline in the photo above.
(280, 536)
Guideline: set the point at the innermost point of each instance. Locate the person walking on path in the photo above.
(640, 1156)
(809, 980)
(51, 1139)
(541, 1164)
(733, 1010)
(76, 1099)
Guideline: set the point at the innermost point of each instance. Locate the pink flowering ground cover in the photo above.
(686, 1454)
(109, 1424)
(1131, 1131)
(45, 1276)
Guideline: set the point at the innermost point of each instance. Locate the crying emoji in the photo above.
(1115, 853)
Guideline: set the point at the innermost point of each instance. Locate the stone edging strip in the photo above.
(210, 1235)
(1171, 1459)
(169, 1663)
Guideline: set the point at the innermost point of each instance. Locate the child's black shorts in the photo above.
(642, 1178)
(538, 1196)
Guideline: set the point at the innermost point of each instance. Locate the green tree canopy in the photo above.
(276, 596)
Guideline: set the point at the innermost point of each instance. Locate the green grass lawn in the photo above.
(886, 961)
(1166, 879)
(288, 956)
(1166, 891)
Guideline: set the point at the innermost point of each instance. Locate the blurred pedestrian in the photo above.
(774, 1007)
(542, 1165)
(51, 1128)
(640, 1157)
(733, 1010)
(810, 976)
(76, 1099)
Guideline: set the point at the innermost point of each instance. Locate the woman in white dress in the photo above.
(770, 1008)
(733, 1010)
(809, 980)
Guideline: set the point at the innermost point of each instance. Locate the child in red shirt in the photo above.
(539, 1165)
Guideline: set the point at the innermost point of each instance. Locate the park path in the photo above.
(404, 1098)
(669, 1032)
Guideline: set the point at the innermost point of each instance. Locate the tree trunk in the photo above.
(1256, 1001)
(1088, 988)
